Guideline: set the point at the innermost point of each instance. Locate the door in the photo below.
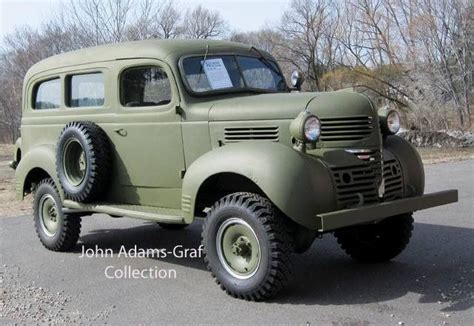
(147, 135)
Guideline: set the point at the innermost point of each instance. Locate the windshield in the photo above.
(229, 73)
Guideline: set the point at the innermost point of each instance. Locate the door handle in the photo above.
(122, 132)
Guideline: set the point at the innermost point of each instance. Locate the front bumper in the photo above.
(374, 213)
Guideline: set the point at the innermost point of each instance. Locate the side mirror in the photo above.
(297, 80)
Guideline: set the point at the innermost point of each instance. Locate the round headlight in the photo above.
(296, 79)
(393, 122)
(312, 128)
(306, 127)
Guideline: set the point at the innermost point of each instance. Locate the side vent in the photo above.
(237, 134)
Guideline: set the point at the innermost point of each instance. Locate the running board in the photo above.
(159, 214)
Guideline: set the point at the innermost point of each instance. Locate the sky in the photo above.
(244, 15)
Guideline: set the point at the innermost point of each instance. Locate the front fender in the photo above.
(42, 157)
(299, 185)
(412, 166)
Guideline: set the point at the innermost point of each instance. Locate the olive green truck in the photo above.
(174, 130)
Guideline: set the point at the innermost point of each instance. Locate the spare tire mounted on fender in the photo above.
(83, 161)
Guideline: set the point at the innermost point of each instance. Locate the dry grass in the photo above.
(438, 155)
(10, 206)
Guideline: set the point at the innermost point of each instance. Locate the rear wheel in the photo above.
(377, 242)
(57, 231)
(247, 246)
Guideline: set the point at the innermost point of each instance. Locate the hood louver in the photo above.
(348, 128)
(237, 134)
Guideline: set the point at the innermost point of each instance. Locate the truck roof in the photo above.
(160, 49)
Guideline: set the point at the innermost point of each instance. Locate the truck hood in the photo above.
(288, 105)
(260, 107)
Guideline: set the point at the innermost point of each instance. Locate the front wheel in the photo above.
(247, 246)
(377, 242)
(57, 231)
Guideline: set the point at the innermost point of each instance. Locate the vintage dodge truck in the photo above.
(174, 130)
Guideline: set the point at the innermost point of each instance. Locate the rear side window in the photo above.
(47, 95)
(86, 90)
(144, 86)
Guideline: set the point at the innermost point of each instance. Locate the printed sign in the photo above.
(216, 73)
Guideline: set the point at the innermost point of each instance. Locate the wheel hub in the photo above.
(52, 214)
(242, 247)
(238, 248)
(48, 215)
(74, 162)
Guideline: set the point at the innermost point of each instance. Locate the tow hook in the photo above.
(13, 164)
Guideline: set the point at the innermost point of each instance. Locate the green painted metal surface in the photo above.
(334, 220)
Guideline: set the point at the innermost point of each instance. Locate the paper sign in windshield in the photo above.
(217, 74)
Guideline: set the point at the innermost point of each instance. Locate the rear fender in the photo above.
(40, 157)
(299, 185)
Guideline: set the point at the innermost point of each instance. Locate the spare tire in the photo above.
(83, 161)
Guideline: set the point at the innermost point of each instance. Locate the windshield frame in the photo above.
(233, 90)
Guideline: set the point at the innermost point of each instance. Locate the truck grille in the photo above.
(358, 185)
(236, 134)
(346, 128)
(392, 174)
(355, 185)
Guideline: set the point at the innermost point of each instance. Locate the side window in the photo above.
(86, 90)
(47, 95)
(144, 86)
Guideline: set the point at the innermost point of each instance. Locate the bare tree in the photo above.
(161, 21)
(20, 50)
(202, 23)
(307, 29)
(98, 21)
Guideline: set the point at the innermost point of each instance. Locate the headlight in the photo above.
(390, 122)
(306, 127)
(312, 128)
(393, 122)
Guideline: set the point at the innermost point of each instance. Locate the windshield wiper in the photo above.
(265, 61)
(203, 63)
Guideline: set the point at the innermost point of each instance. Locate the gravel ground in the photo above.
(430, 283)
(29, 303)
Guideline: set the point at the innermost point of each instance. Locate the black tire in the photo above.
(83, 161)
(262, 218)
(379, 242)
(172, 227)
(64, 235)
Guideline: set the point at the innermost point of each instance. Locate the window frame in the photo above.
(35, 86)
(68, 89)
(224, 91)
(145, 64)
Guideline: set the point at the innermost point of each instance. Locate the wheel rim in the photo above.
(238, 248)
(74, 162)
(48, 215)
